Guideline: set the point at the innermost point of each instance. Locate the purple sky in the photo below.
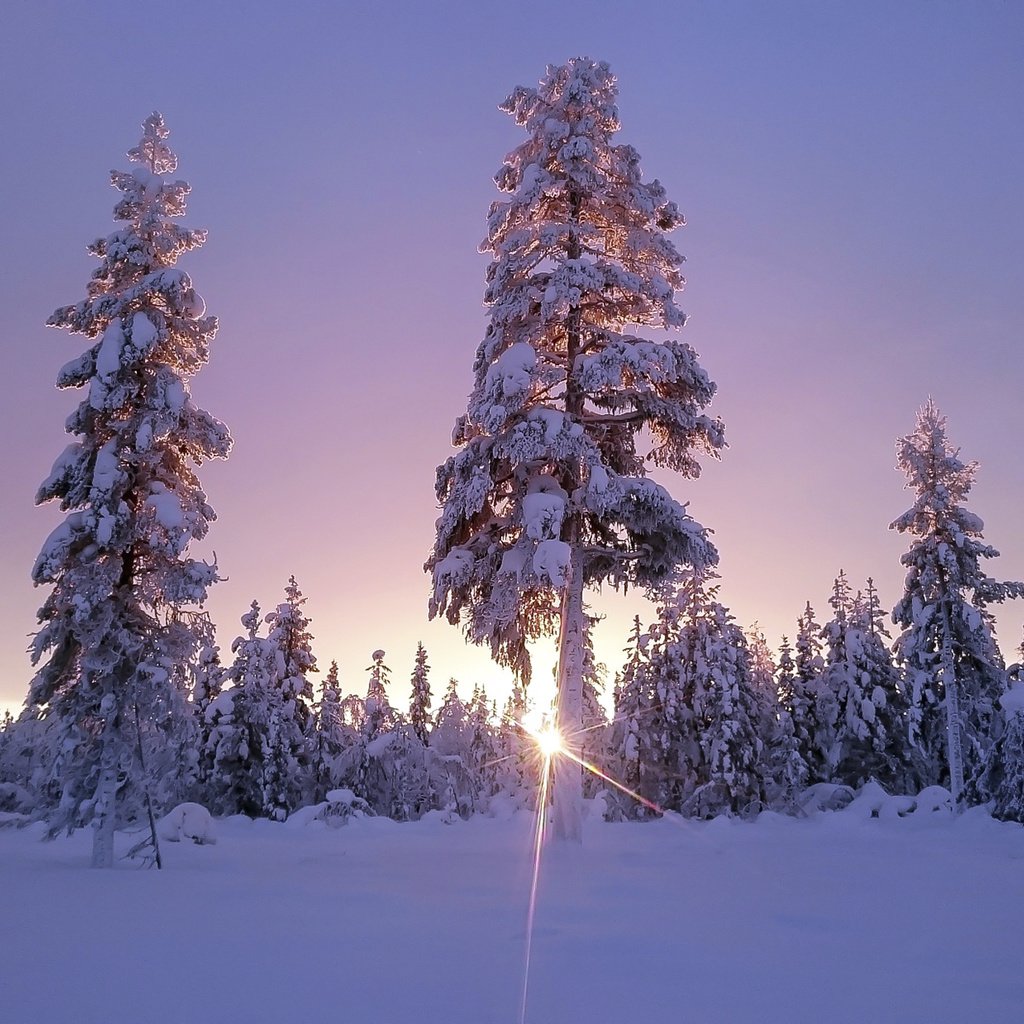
(851, 177)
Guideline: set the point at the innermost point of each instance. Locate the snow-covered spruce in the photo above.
(1002, 778)
(112, 631)
(548, 490)
(419, 702)
(262, 730)
(861, 706)
(953, 670)
(696, 745)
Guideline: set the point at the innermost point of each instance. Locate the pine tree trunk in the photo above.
(954, 748)
(567, 809)
(103, 815)
(567, 794)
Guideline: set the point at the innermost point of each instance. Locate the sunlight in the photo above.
(549, 740)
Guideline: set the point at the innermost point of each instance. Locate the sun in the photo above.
(549, 740)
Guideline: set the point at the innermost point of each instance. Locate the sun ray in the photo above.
(538, 845)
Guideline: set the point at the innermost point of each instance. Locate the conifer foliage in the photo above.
(113, 626)
(548, 490)
(953, 668)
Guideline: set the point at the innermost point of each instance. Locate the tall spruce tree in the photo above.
(801, 702)
(419, 701)
(953, 669)
(290, 739)
(548, 491)
(112, 629)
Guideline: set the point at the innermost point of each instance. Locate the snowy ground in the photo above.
(838, 918)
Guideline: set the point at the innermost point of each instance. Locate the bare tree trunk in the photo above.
(106, 804)
(954, 748)
(567, 809)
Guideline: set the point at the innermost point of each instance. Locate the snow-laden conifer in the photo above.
(1002, 777)
(238, 720)
(861, 704)
(381, 717)
(548, 490)
(726, 713)
(800, 699)
(633, 718)
(290, 738)
(452, 780)
(419, 701)
(111, 633)
(333, 737)
(953, 669)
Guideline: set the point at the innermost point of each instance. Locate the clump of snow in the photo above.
(167, 508)
(543, 513)
(1012, 701)
(825, 796)
(872, 801)
(187, 821)
(340, 806)
(108, 359)
(551, 559)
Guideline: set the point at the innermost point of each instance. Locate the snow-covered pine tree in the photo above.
(287, 777)
(333, 737)
(632, 720)
(1002, 777)
(483, 746)
(548, 491)
(239, 722)
(802, 701)
(861, 705)
(656, 740)
(419, 701)
(594, 726)
(118, 563)
(714, 659)
(953, 669)
(208, 675)
(381, 717)
(833, 681)
(787, 771)
(370, 771)
(762, 680)
(452, 781)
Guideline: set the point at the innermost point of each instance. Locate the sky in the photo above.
(850, 175)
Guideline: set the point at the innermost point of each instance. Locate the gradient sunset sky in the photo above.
(851, 176)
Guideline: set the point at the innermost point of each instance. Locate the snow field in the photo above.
(838, 918)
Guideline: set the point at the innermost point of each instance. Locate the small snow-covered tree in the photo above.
(1002, 776)
(954, 673)
(419, 701)
(381, 717)
(452, 780)
(634, 707)
(483, 747)
(333, 737)
(800, 698)
(548, 490)
(861, 700)
(238, 720)
(786, 767)
(208, 676)
(726, 712)
(287, 771)
(110, 632)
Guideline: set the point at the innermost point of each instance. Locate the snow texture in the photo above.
(844, 918)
